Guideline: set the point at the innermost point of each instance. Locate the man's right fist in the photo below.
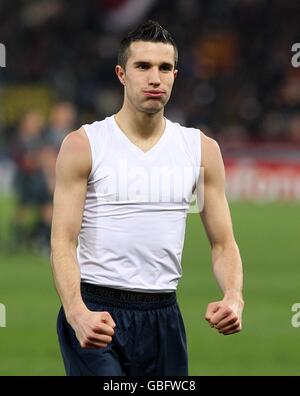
(93, 330)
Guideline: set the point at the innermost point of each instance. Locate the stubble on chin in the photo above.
(153, 108)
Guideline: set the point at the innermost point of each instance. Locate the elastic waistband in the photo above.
(127, 299)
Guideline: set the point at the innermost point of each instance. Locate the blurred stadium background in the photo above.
(236, 83)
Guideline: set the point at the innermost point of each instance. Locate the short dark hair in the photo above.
(150, 31)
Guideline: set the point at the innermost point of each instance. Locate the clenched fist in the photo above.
(93, 329)
(225, 315)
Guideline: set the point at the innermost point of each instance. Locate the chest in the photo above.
(168, 177)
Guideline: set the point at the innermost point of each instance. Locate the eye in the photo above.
(142, 66)
(166, 68)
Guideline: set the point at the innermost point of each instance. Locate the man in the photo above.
(122, 190)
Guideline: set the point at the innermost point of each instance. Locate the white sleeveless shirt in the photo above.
(134, 217)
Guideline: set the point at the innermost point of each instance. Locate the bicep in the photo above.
(68, 205)
(72, 170)
(215, 215)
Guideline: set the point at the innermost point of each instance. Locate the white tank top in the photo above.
(134, 217)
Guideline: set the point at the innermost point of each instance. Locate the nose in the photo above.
(154, 76)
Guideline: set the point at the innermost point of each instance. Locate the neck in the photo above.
(141, 124)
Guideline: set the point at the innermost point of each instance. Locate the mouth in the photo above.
(154, 94)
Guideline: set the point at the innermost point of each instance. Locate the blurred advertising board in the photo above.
(266, 175)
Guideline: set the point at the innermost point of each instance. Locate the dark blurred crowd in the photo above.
(236, 80)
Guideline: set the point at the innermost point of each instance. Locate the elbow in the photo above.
(228, 245)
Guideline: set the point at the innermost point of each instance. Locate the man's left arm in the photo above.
(224, 315)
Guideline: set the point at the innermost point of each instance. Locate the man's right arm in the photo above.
(93, 329)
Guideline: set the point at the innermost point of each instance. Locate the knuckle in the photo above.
(96, 328)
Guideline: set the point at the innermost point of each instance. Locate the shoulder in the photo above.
(212, 161)
(75, 152)
(76, 143)
(211, 153)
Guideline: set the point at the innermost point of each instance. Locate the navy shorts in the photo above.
(149, 336)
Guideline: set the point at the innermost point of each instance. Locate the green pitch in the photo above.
(268, 236)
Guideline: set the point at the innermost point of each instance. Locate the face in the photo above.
(149, 75)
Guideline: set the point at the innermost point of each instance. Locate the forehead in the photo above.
(151, 52)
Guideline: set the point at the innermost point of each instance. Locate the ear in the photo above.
(120, 72)
(175, 73)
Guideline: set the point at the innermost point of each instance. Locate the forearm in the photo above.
(227, 269)
(93, 330)
(66, 274)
